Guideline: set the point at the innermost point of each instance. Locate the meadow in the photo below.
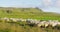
(26, 13)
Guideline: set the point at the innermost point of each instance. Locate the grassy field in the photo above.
(23, 27)
(33, 13)
(26, 13)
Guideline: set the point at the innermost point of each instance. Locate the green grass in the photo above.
(25, 13)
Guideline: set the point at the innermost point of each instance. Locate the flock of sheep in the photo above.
(39, 23)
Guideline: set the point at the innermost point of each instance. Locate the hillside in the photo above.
(22, 26)
(33, 13)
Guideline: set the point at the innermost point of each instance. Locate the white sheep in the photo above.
(13, 19)
(35, 21)
(54, 24)
(6, 19)
(46, 24)
(58, 23)
(30, 21)
(41, 24)
(22, 19)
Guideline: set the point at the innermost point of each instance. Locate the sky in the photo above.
(45, 5)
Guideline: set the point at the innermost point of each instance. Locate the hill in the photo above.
(34, 13)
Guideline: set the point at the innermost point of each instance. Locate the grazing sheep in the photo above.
(18, 20)
(22, 19)
(36, 21)
(41, 24)
(13, 19)
(58, 23)
(54, 24)
(46, 24)
(29, 21)
(58, 26)
(6, 19)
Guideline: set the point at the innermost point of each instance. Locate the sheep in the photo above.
(29, 21)
(58, 23)
(46, 24)
(5, 19)
(41, 24)
(18, 20)
(13, 19)
(32, 21)
(53, 23)
(35, 21)
(22, 19)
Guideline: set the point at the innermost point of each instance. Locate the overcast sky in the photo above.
(46, 5)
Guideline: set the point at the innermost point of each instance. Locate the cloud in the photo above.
(51, 5)
(47, 2)
(52, 9)
(57, 4)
